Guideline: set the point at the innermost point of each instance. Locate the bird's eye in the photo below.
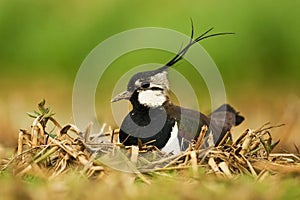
(145, 84)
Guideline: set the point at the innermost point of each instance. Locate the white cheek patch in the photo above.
(151, 98)
(173, 145)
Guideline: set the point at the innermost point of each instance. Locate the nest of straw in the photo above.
(53, 153)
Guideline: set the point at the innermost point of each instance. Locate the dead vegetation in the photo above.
(51, 153)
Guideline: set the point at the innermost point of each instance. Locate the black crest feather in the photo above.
(182, 52)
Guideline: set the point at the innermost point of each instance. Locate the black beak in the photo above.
(124, 95)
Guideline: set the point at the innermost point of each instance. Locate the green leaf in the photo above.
(49, 114)
(41, 107)
(37, 113)
(32, 114)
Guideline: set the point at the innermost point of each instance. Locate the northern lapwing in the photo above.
(155, 120)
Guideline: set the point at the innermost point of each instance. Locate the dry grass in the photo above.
(50, 154)
(62, 162)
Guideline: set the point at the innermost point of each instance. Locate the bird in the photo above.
(156, 120)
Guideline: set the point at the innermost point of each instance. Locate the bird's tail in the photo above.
(222, 120)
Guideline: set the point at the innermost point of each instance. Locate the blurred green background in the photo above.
(43, 44)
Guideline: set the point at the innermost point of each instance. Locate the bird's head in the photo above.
(149, 88)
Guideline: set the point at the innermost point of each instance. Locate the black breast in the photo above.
(139, 125)
(146, 124)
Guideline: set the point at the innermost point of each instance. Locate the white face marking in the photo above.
(173, 145)
(138, 83)
(152, 98)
